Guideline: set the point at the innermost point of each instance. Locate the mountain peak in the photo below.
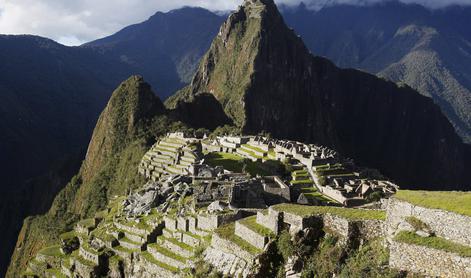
(130, 105)
(265, 79)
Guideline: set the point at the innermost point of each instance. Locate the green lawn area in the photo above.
(178, 243)
(454, 201)
(303, 181)
(68, 235)
(312, 192)
(433, 242)
(251, 223)
(227, 232)
(126, 250)
(167, 252)
(151, 259)
(349, 213)
(234, 163)
(254, 148)
(53, 251)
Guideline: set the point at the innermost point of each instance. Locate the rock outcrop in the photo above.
(266, 80)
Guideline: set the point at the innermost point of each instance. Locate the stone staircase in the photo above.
(169, 156)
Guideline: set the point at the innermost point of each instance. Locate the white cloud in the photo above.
(78, 21)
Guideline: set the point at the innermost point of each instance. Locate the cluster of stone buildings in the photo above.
(334, 177)
(155, 231)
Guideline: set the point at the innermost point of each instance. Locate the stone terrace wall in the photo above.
(427, 261)
(270, 220)
(370, 229)
(448, 225)
(338, 225)
(250, 236)
(299, 223)
(229, 247)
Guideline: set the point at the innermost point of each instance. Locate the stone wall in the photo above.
(448, 225)
(130, 229)
(338, 226)
(83, 270)
(270, 220)
(250, 236)
(228, 246)
(207, 222)
(297, 222)
(182, 224)
(427, 261)
(370, 229)
(144, 269)
(227, 263)
(212, 221)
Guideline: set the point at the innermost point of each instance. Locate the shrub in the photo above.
(285, 245)
(416, 223)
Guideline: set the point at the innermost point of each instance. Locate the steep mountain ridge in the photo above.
(126, 129)
(48, 92)
(275, 85)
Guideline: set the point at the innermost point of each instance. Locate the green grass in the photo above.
(179, 243)
(66, 262)
(102, 234)
(254, 148)
(126, 250)
(305, 181)
(453, 201)
(68, 235)
(88, 248)
(251, 223)
(52, 251)
(348, 213)
(229, 161)
(227, 232)
(167, 252)
(140, 225)
(151, 259)
(300, 173)
(114, 260)
(433, 242)
(82, 260)
(87, 223)
(313, 193)
(56, 272)
(235, 163)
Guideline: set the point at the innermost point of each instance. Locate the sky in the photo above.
(73, 22)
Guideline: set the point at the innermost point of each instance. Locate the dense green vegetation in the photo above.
(433, 242)
(322, 256)
(349, 213)
(237, 163)
(454, 201)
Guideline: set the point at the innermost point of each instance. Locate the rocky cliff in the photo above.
(266, 80)
(125, 130)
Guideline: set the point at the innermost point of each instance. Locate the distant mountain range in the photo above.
(430, 50)
(51, 95)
